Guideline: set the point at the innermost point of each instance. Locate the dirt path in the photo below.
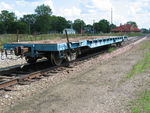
(103, 88)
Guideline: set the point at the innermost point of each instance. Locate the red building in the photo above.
(126, 28)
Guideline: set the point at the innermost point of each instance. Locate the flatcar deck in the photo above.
(61, 45)
(56, 50)
(63, 40)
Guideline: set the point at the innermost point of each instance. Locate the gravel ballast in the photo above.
(97, 85)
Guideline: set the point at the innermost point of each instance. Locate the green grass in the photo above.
(135, 34)
(111, 49)
(121, 34)
(142, 104)
(143, 64)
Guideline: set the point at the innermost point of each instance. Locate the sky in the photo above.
(88, 10)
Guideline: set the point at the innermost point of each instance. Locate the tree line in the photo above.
(42, 21)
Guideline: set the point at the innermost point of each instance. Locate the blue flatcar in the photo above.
(58, 52)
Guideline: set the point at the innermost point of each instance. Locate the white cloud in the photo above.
(29, 6)
(140, 6)
(20, 13)
(92, 11)
(34, 3)
(49, 2)
(139, 12)
(5, 6)
(21, 7)
(70, 12)
(102, 4)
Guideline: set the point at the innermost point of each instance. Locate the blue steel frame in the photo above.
(93, 43)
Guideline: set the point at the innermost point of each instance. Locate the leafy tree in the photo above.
(96, 27)
(18, 26)
(30, 19)
(144, 30)
(61, 23)
(88, 28)
(132, 23)
(43, 10)
(53, 23)
(2, 28)
(43, 13)
(78, 25)
(58, 23)
(69, 24)
(7, 18)
(112, 26)
(22, 27)
(102, 26)
(43, 24)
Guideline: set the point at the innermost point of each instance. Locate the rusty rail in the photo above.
(30, 76)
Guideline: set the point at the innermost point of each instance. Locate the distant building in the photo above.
(69, 31)
(126, 28)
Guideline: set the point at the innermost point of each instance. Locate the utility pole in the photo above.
(111, 19)
(93, 27)
(111, 16)
(17, 35)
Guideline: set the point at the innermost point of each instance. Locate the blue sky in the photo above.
(88, 10)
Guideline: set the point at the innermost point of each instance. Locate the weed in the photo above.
(142, 104)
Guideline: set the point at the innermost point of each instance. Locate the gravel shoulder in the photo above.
(97, 86)
(11, 61)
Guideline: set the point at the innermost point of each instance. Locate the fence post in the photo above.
(17, 35)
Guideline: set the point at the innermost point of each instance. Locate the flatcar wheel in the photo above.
(55, 60)
(31, 60)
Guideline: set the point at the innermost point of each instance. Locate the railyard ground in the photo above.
(117, 85)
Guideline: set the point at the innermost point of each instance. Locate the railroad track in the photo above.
(18, 75)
